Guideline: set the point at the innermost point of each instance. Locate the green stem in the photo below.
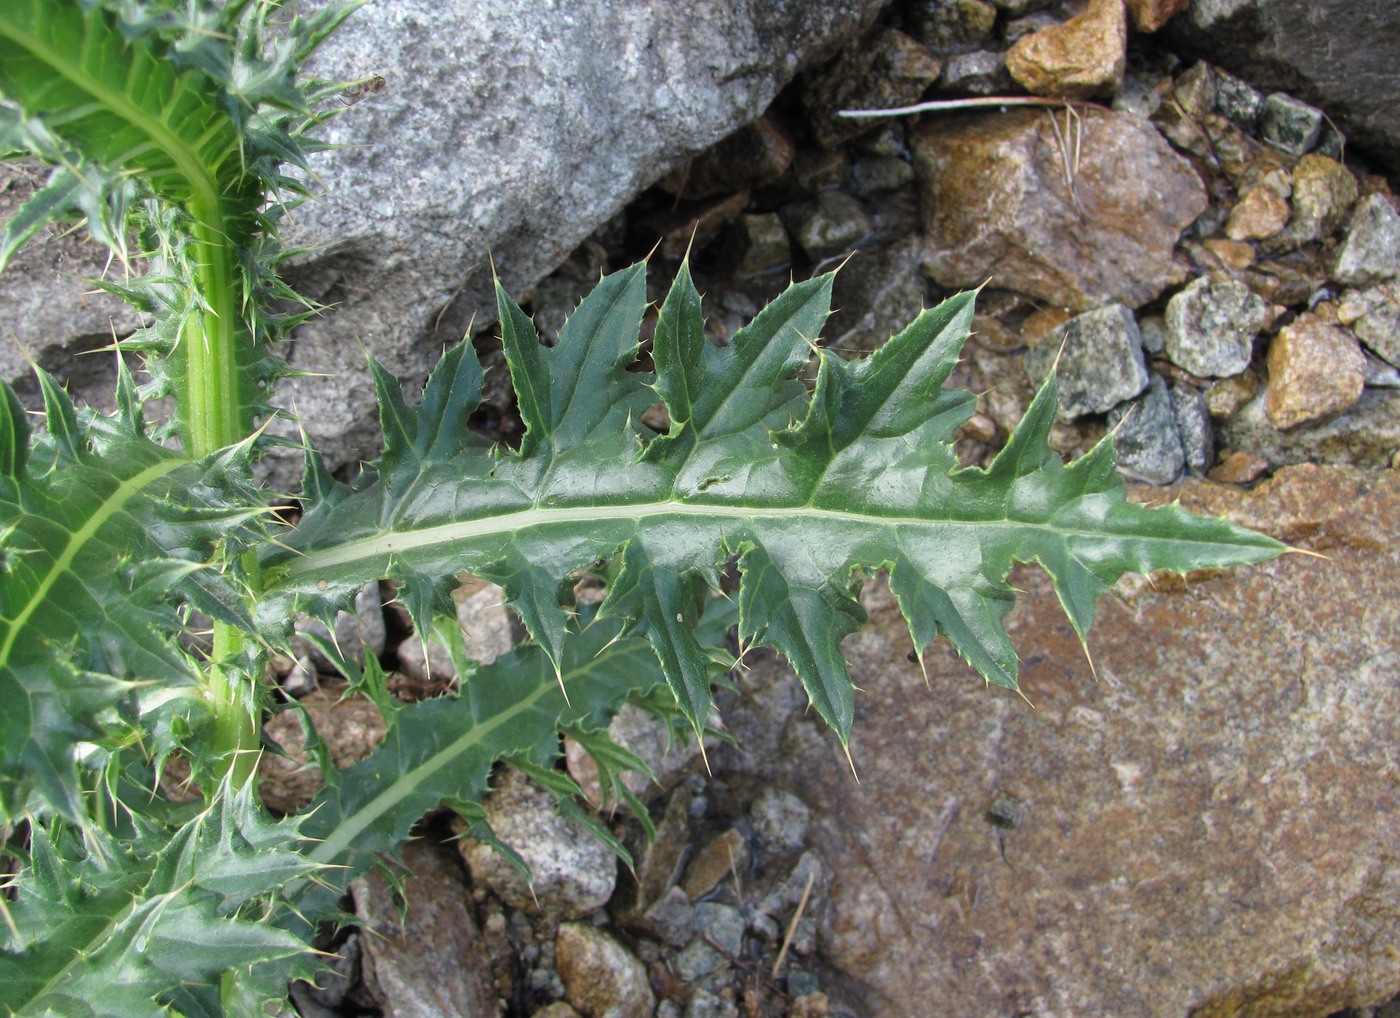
(216, 415)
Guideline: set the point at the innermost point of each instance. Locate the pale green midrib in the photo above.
(112, 504)
(200, 178)
(386, 544)
(348, 832)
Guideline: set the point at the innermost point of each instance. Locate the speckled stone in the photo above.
(1100, 361)
(828, 225)
(1290, 124)
(351, 727)
(423, 954)
(729, 853)
(1371, 251)
(572, 872)
(601, 977)
(1315, 370)
(1146, 440)
(1082, 58)
(1211, 326)
(890, 69)
(1324, 191)
(1374, 315)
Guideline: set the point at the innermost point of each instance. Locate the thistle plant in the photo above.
(188, 128)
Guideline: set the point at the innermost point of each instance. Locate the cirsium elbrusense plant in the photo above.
(174, 123)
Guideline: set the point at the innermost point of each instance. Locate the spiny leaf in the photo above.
(93, 549)
(807, 490)
(118, 928)
(440, 752)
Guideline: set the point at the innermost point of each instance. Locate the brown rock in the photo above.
(727, 855)
(1082, 58)
(997, 202)
(1229, 395)
(756, 154)
(1315, 370)
(953, 24)
(891, 69)
(1324, 191)
(351, 728)
(424, 955)
(1260, 213)
(602, 979)
(1234, 254)
(1208, 823)
(1238, 468)
(1150, 15)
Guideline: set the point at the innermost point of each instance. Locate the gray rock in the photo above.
(945, 25)
(758, 243)
(696, 960)
(723, 925)
(1238, 99)
(508, 131)
(1101, 364)
(996, 203)
(981, 72)
(671, 918)
(1371, 251)
(1366, 435)
(1380, 374)
(486, 634)
(424, 956)
(1137, 96)
(1153, 330)
(874, 174)
(1374, 315)
(704, 1004)
(572, 872)
(1338, 55)
(1197, 434)
(1290, 124)
(801, 982)
(1211, 327)
(1145, 436)
(780, 821)
(832, 224)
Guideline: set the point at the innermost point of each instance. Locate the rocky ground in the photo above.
(1218, 275)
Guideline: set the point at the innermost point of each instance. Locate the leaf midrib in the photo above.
(388, 543)
(196, 174)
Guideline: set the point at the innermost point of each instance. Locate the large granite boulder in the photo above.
(1206, 829)
(503, 131)
(1338, 54)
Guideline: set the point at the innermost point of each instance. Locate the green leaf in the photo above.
(93, 549)
(809, 490)
(117, 928)
(440, 752)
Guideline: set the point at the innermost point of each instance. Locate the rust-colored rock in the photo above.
(602, 979)
(1261, 213)
(997, 202)
(1315, 370)
(1209, 821)
(351, 727)
(1080, 59)
(1150, 15)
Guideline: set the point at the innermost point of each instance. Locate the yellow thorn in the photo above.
(1090, 658)
(847, 749)
(704, 757)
